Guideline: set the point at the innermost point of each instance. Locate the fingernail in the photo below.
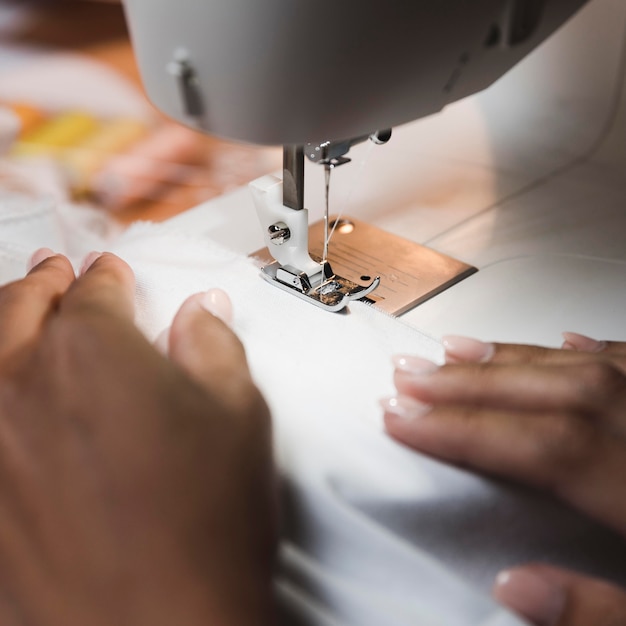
(405, 408)
(217, 302)
(466, 350)
(531, 595)
(582, 343)
(38, 256)
(414, 366)
(90, 259)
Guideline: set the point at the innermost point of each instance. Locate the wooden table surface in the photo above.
(98, 31)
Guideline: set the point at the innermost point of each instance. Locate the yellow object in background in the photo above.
(56, 134)
(82, 161)
(114, 163)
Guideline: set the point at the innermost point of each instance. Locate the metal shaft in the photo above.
(293, 177)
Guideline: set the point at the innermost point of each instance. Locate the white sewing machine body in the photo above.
(273, 72)
(505, 174)
(524, 180)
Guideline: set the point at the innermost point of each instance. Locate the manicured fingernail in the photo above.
(405, 408)
(38, 256)
(90, 259)
(217, 302)
(414, 366)
(531, 595)
(466, 350)
(582, 343)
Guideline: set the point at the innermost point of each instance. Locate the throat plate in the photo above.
(409, 272)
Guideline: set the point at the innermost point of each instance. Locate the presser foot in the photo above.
(409, 273)
(330, 292)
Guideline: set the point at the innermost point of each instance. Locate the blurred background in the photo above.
(78, 126)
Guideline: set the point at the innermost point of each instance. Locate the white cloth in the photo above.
(374, 533)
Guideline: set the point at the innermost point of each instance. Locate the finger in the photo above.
(594, 388)
(506, 443)
(467, 350)
(107, 287)
(38, 256)
(203, 345)
(88, 261)
(549, 596)
(564, 454)
(582, 343)
(615, 350)
(25, 304)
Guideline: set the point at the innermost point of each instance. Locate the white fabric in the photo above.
(374, 533)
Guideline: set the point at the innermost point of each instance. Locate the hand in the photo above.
(134, 489)
(555, 419)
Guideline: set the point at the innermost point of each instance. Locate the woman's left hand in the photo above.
(134, 488)
(554, 419)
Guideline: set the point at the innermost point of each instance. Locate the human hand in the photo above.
(555, 419)
(135, 489)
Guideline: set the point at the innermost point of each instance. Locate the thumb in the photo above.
(549, 596)
(202, 344)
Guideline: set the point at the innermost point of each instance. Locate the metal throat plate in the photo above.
(410, 273)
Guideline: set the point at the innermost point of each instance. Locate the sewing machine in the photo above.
(319, 80)
(325, 72)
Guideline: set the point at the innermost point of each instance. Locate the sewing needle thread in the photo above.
(348, 200)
